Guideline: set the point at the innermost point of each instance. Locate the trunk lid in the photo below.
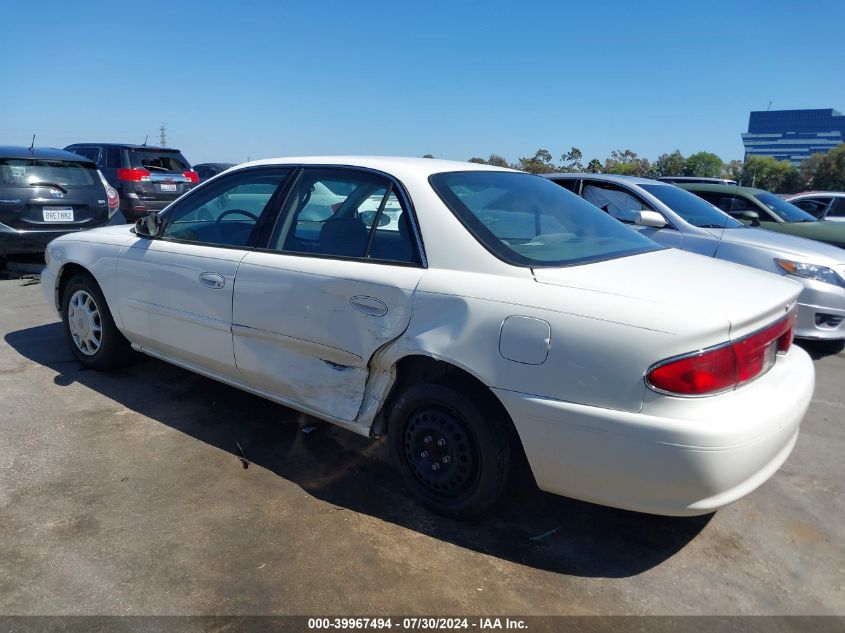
(678, 292)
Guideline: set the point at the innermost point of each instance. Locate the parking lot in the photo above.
(125, 493)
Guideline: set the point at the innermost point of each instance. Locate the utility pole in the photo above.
(162, 130)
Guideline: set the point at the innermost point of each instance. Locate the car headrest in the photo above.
(343, 236)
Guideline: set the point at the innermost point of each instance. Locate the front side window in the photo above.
(620, 204)
(814, 206)
(346, 213)
(226, 212)
(691, 208)
(90, 153)
(527, 220)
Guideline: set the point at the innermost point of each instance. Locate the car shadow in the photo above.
(352, 472)
(821, 349)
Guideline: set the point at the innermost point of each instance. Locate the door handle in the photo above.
(369, 305)
(212, 280)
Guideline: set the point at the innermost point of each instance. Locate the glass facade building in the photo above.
(793, 135)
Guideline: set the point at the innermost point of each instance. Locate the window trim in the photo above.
(397, 187)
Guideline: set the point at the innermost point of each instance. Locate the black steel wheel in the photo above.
(451, 450)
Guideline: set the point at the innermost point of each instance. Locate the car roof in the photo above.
(153, 148)
(13, 151)
(817, 194)
(395, 165)
(697, 186)
(630, 180)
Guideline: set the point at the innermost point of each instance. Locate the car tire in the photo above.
(89, 327)
(451, 451)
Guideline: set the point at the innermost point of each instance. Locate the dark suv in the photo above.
(146, 178)
(45, 193)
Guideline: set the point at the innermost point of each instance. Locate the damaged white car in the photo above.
(494, 312)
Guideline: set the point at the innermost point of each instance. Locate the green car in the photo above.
(772, 213)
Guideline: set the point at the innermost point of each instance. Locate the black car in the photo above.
(209, 170)
(146, 178)
(45, 193)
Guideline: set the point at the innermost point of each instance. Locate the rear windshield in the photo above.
(786, 210)
(158, 161)
(23, 172)
(691, 208)
(526, 220)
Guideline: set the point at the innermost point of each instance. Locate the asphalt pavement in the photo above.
(154, 491)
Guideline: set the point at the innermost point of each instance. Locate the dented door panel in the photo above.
(305, 328)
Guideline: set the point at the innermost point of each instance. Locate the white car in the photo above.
(502, 314)
(823, 205)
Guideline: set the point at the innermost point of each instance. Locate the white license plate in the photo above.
(166, 187)
(58, 214)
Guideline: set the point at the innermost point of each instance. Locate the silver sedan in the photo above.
(674, 217)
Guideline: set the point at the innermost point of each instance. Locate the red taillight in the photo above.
(133, 175)
(725, 367)
(191, 175)
(114, 199)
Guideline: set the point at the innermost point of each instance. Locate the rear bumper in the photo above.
(677, 456)
(821, 311)
(135, 208)
(22, 242)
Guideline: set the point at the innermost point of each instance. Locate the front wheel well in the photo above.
(415, 369)
(68, 272)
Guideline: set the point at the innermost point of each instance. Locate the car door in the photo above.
(624, 205)
(176, 289)
(335, 283)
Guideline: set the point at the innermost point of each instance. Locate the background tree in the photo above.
(572, 160)
(733, 170)
(477, 160)
(669, 165)
(540, 163)
(829, 172)
(594, 166)
(497, 161)
(764, 172)
(809, 169)
(704, 164)
(627, 163)
(428, 156)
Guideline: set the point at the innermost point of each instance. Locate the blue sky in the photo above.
(455, 79)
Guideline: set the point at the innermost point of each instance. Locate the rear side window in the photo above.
(16, 172)
(91, 153)
(526, 220)
(345, 213)
(158, 161)
(113, 158)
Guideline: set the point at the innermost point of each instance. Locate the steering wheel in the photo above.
(236, 212)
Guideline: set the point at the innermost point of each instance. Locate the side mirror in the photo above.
(650, 218)
(752, 216)
(148, 226)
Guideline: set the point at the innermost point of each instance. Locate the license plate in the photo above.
(166, 187)
(58, 214)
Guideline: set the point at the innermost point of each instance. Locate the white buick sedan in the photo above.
(495, 312)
